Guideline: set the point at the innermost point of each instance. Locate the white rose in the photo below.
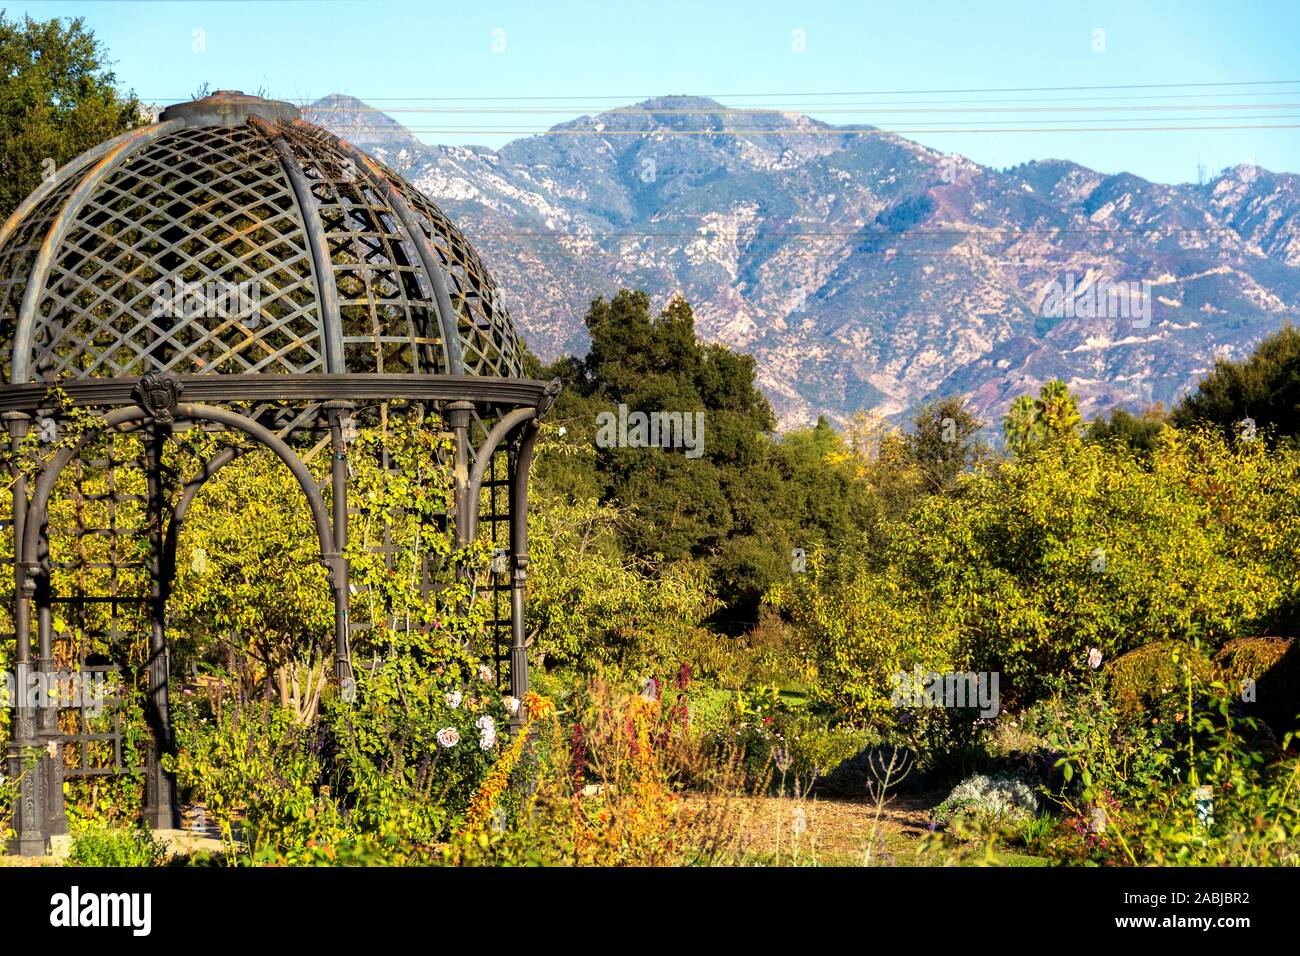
(448, 737)
(453, 699)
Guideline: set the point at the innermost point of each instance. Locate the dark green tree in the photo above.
(1264, 388)
(945, 441)
(58, 98)
(745, 503)
(1138, 432)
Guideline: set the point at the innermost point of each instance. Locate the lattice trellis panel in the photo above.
(208, 208)
(99, 552)
(19, 255)
(385, 301)
(487, 334)
(99, 560)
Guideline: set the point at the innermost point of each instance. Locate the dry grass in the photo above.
(815, 831)
(827, 831)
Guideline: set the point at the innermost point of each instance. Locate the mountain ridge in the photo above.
(861, 269)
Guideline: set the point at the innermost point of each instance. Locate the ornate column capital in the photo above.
(158, 393)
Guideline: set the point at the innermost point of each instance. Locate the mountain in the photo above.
(863, 270)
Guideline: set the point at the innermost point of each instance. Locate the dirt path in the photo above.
(834, 831)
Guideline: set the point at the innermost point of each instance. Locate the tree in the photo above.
(1138, 432)
(57, 99)
(263, 598)
(1076, 546)
(589, 604)
(1265, 388)
(945, 441)
(1022, 426)
(744, 503)
(1058, 409)
(1033, 421)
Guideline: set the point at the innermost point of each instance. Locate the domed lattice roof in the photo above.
(232, 237)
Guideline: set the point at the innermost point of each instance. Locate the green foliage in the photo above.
(97, 845)
(1138, 681)
(587, 602)
(398, 756)
(58, 98)
(1051, 416)
(260, 774)
(1022, 425)
(820, 752)
(1198, 791)
(1033, 562)
(607, 789)
(1137, 432)
(944, 442)
(856, 631)
(264, 594)
(1271, 665)
(1253, 657)
(744, 506)
(1264, 387)
(409, 752)
(1083, 545)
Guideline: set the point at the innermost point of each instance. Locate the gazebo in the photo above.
(234, 267)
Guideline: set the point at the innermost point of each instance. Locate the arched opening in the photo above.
(123, 560)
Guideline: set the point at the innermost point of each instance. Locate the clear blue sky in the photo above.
(593, 55)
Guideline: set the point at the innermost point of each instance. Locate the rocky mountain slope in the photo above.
(863, 270)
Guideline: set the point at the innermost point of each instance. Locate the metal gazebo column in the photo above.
(340, 572)
(50, 768)
(29, 809)
(519, 549)
(160, 810)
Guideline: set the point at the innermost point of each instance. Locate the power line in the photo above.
(611, 96)
(733, 96)
(757, 112)
(990, 233)
(833, 131)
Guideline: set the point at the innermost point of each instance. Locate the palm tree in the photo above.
(1023, 424)
(1058, 409)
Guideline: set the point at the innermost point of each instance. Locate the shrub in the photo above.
(1139, 680)
(98, 845)
(752, 731)
(1273, 663)
(829, 756)
(257, 771)
(609, 790)
(409, 752)
(856, 631)
(1137, 795)
(989, 800)
(1028, 564)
